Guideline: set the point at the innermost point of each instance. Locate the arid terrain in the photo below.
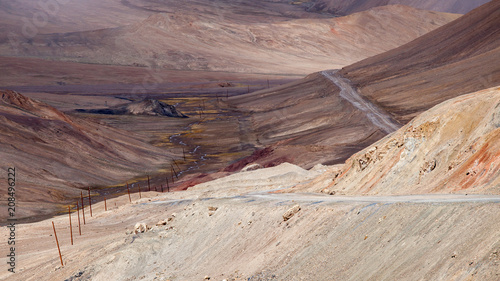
(179, 41)
(352, 6)
(251, 140)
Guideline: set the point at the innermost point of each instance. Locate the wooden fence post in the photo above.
(70, 225)
(57, 242)
(90, 203)
(83, 207)
(78, 210)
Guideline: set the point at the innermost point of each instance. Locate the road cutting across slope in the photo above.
(417, 198)
(376, 115)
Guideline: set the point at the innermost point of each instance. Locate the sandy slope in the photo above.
(201, 42)
(454, 147)
(220, 231)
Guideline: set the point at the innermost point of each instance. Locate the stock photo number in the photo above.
(11, 257)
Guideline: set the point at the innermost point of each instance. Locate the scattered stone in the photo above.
(428, 167)
(291, 212)
(251, 167)
(207, 277)
(369, 157)
(328, 191)
(140, 227)
(160, 223)
(211, 210)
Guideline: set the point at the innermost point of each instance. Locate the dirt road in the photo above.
(323, 198)
(376, 115)
(422, 198)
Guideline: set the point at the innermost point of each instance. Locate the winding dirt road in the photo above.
(376, 115)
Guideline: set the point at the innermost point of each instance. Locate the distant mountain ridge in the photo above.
(196, 42)
(345, 7)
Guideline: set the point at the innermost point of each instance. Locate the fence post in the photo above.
(83, 207)
(70, 225)
(57, 242)
(90, 203)
(78, 210)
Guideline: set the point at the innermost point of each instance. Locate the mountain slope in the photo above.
(344, 7)
(305, 122)
(310, 123)
(455, 59)
(452, 148)
(66, 16)
(194, 42)
(55, 155)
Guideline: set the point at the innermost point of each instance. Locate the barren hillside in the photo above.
(56, 155)
(458, 58)
(306, 122)
(72, 16)
(197, 42)
(452, 148)
(343, 7)
(309, 121)
(240, 228)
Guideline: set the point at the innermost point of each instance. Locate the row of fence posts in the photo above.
(105, 206)
(172, 174)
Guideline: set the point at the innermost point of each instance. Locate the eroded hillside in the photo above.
(56, 155)
(452, 148)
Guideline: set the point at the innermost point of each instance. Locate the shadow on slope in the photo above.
(56, 155)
